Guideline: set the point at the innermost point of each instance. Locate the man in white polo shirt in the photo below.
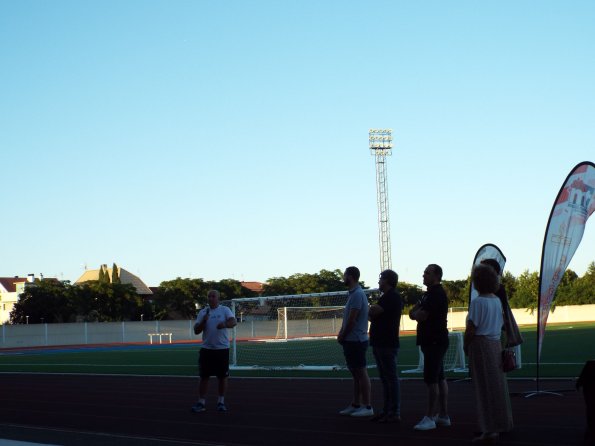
(213, 359)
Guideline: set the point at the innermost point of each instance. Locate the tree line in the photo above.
(105, 300)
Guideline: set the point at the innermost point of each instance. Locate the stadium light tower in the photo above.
(381, 144)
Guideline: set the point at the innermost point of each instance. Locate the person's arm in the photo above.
(349, 325)
(199, 326)
(418, 314)
(229, 323)
(470, 330)
(375, 311)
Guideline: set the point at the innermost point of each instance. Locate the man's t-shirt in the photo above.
(433, 330)
(214, 338)
(358, 301)
(384, 329)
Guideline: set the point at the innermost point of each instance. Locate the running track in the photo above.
(154, 411)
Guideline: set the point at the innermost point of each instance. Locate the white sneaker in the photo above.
(425, 424)
(363, 411)
(349, 410)
(441, 421)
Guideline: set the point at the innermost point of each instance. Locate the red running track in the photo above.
(155, 411)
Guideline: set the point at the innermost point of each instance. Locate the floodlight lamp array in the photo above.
(380, 139)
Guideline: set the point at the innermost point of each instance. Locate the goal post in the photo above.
(308, 321)
(454, 358)
(289, 332)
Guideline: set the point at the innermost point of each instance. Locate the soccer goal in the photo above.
(289, 332)
(297, 322)
(454, 359)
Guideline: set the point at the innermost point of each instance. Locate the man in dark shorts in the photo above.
(385, 317)
(353, 336)
(213, 360)
(432, 337)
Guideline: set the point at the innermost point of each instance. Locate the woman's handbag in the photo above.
(511, 329)
(508, 360)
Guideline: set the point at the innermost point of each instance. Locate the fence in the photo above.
(93, 333)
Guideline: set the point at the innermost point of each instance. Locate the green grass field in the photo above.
(565, 350)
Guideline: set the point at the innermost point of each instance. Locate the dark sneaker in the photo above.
(221, 407)
(198, 407)
(378, 417)
(390, 418)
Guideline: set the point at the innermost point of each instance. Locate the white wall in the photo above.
(523, 316)
(88, 333)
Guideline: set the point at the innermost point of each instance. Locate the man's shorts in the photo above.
(213, 363)
(434, 362)
(355, 354)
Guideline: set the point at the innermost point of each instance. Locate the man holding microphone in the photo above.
(213, 359)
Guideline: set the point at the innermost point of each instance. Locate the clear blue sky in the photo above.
(229, 139)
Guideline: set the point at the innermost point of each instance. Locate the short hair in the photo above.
(216, 293)
(493, 263)
(353, 272)
(436, 269)
(391, 277)
(485, 279)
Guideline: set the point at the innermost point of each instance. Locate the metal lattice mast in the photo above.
(381, 144)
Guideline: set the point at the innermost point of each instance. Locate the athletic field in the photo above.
(565, 350)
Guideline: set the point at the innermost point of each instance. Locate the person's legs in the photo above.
(435, 380)
(356, 362)
(432, 406)
(356, 398)
(443, 398)
(203, 387)
(383, 375)
(432, 367)
(396, 392)
(362, 387)
(387, 369)
(222, 387)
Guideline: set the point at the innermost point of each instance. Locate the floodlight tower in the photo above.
(381, 144)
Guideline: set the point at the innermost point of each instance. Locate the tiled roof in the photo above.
(8, 284)
(257, 287)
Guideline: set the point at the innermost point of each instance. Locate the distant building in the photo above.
(256, 287)
(10, 289)
(125, 277)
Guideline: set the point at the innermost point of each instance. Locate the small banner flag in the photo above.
(571, 210)
(487, 251)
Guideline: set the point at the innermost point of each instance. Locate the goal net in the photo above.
(454, 359)
(289, 332)
(298, 322)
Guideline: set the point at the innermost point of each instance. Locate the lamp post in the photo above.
(27, 317)
(141, 317)
(381, 144)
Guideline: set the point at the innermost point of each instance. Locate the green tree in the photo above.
(457, 292)
(101, 275)
(525, 295)
(582, 290)
(411, 294)
(304, 283)
(510, 283)
(47, 301)
(115, 275)
(228, 288)
(178, 298)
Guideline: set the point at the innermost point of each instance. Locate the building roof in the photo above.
(8, 284)
(256, 287)
(125, 277)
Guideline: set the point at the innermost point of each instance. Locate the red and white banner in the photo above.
(487, 251)
(573, 206)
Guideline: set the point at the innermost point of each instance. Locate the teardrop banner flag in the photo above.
(487, 251)
(571, 210)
